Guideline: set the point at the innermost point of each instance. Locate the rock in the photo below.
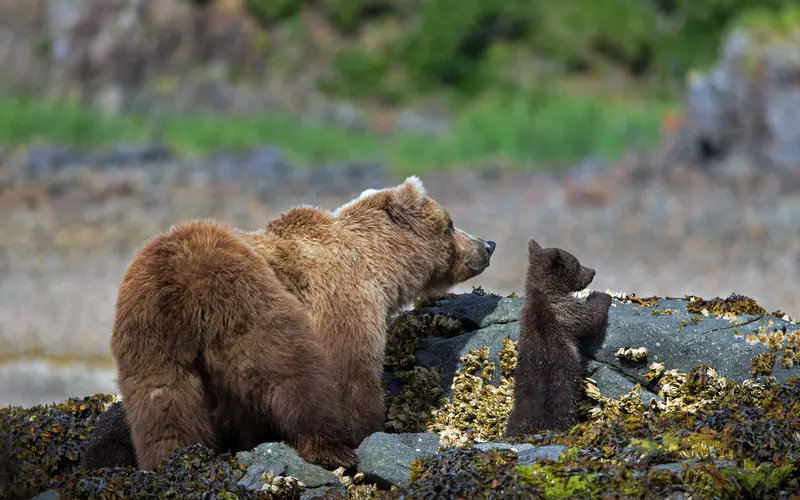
(47, 495)
(670, 333)
(281, 460)
(679, 467)
(615, 384)
(128, 154)
(745, 111)
(503, 446)
(530, 457)
(527, 453)
(386, 458)
(42, 160)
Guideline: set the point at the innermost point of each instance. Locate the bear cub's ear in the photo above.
(533, 247)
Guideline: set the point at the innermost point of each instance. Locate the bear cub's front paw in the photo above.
(601, 298)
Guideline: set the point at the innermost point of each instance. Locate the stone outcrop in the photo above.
(742, 116)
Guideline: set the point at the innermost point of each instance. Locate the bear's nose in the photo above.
(490, 247)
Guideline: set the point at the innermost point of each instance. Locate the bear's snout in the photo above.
(490, 246)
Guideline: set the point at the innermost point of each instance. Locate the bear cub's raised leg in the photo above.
(557, 332)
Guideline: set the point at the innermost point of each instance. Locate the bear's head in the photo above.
(556, 271)
(415, 239)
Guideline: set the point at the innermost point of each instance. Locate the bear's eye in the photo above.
(450, 225)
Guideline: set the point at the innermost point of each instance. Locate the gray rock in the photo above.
(322, 491)
(527, 453)
(385, 458)
(679, 467)
(47, 495)
(615, 384)
(504, 446)
(734, 112)
(530, 457)
(280, 459)
(680, 340)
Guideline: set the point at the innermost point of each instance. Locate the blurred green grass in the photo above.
(543, 128)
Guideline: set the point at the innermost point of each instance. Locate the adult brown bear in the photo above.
(228, 338)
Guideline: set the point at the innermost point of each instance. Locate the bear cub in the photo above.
(557, 332)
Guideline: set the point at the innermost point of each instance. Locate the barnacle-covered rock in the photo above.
(634, 355)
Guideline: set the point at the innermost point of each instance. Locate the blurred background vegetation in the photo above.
(523, 82)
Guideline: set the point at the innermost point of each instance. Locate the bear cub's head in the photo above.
(555, 271)
(419, 235)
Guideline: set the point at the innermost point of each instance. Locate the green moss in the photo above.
(766, 479)
(558, 486)
(733, 305)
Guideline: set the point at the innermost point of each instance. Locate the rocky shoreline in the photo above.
(686, 397)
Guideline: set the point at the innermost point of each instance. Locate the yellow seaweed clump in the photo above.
(720, 308)
(762, 364)
(478, 410)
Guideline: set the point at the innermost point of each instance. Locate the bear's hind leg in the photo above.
(166, 414)
(275, 366)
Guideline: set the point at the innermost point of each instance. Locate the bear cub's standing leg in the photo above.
(557, 331)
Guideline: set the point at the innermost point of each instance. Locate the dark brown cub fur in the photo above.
(109, 444)
(555, 329)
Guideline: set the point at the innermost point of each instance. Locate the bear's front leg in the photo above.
(363, 403)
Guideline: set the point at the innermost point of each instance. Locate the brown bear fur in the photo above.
(230, 338)
(557, 331)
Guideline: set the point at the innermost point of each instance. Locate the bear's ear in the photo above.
(533, 247)
(411, 192)
(407, 201)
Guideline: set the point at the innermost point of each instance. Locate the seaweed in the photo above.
(733, 305)
(478, 410)
(421, 387)
(189, 472)
(46, 442)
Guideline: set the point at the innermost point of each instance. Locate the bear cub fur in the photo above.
(557, 332)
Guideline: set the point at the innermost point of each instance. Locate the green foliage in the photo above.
(445, 43)
(533, 129)
(271, 11)
(348, 15)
